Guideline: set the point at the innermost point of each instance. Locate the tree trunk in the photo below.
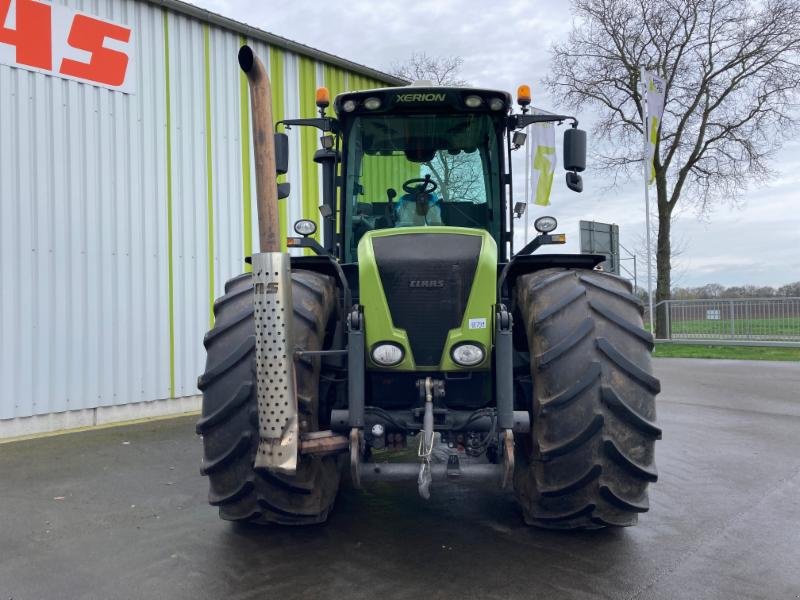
(663, 252)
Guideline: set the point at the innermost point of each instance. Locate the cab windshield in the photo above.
(421, 170)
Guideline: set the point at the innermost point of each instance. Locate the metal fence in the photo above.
(734, 320)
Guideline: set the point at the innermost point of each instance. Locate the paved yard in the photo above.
(121, 513)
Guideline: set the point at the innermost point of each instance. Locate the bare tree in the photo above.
(732, 69)
(441, 70)
(678, 247)
(716, 291)
(790, 289)
(458, 175)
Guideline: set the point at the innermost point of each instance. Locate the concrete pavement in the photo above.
(122, 513)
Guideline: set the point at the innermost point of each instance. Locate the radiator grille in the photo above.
(427, 278)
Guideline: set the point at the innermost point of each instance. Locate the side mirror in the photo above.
(574, 182)
(575, 150)
(281, 153)
(519, 209)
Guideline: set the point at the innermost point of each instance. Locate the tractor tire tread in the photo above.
(630, 368)
(625, 412)
(565, 397)
(221, 328)
(589, 458)
(645, 472)
(238, 354)
(560, 305)
(566, 446)
(619, 500)
(614, 317)
(239, 447)
(225, 411)
(565, 344)
(241, 278)
(215, 499)
(229, 423)
(571, 486)
(606, 286)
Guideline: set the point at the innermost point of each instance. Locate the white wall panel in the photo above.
(226, 157)
(85, 266)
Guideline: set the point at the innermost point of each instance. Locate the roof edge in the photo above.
(255, 33)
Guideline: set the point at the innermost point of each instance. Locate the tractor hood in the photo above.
(427, 290)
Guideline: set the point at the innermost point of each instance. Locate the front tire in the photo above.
(590, 458)
(229, 423)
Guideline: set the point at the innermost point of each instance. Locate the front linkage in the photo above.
(498, 424)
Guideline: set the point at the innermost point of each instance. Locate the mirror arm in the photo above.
(307, 242)
(321, 123)
(532, 246)
(521, 121)
(540, 240)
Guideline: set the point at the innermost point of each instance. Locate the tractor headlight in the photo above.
(468, 354)
(372, 103)
(387, 354)
(496, 104)
(473, 101)
(349, 105)
(305, 227)
(545, 224)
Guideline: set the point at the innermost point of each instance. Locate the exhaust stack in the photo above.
(278, 427)
(264, 150)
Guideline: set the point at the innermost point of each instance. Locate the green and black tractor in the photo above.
(413, 322)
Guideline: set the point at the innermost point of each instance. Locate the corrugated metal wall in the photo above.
(121, 216)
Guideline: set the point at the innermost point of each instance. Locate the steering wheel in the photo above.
(420, 185)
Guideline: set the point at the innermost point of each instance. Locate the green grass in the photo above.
(778, 326)
(729, 352)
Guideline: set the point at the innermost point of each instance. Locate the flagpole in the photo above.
(645, 163)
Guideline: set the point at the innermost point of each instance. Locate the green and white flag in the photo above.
(543, 154)
(654, 94)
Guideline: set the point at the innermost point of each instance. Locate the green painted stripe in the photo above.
(309, 141)
(247, 211)
(170, 285)
(209, 175)
(278, 80)
(334, 80)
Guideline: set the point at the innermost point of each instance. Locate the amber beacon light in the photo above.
(524, 95)
(323, 97)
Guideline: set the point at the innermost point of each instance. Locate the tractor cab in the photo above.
(422, 156)
(419, 157)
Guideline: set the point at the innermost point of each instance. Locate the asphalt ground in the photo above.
(122, 513)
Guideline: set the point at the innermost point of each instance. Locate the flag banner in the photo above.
(654, 95)
(542, 138)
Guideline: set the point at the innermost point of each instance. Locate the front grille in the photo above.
(427, 278)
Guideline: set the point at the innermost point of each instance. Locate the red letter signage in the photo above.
(57, 40)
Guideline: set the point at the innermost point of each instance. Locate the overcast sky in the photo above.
(506, 43)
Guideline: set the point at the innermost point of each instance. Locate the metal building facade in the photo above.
(122, 215)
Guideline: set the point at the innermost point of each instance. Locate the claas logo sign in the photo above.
(54, 39)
